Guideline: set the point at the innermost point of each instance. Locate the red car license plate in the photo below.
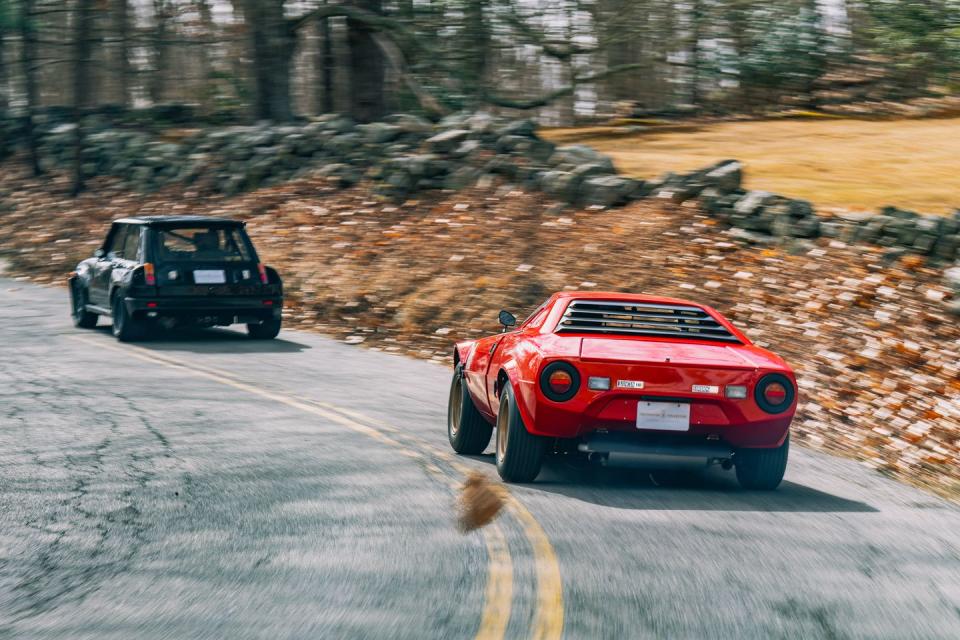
(663, 416)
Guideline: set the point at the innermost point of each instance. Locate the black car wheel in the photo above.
(519, 452)
(82, 318)
(266, 330)
(125, 328)
(762, 469)
(469, 433)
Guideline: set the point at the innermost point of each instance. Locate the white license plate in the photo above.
(209, 276)
(663, 416)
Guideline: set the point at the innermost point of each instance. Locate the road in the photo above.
(203, 485)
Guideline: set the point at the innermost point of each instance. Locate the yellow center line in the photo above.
(498, 596)
(498, 593)
(548, 614)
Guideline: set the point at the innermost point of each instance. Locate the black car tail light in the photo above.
(149, 275)
(559, 381)
(774, 393)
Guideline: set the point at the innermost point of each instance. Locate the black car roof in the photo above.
(160, 221)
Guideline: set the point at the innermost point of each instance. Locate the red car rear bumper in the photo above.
(739, 423)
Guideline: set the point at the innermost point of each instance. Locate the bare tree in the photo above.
(477, 36)
(162, 14)
(697, 20)
(272, 40)
(367, 101)
(4, 81)
(324, 65)
(28, 66)
(121, 27)
(82, 83)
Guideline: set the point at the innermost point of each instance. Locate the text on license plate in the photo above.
(209, 276)
(663, 416)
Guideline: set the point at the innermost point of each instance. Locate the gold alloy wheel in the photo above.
(455, 406)
(502, 429)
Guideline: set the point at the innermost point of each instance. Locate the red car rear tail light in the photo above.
(263, 273)
(774, 393)
(559, 381)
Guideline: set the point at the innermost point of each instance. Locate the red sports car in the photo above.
(658, 380)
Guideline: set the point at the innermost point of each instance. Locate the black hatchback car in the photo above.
(167, 271)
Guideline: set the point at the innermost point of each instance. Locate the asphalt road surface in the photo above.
(202, 485)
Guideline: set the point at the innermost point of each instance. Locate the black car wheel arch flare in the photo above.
(766, 381)
(549, 370)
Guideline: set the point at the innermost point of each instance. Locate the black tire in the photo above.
(125, 328)
(469, 433)
(762, 469)
(266, 330)
(519, 453)
(82, 319)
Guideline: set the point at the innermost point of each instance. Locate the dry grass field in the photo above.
(835, 163)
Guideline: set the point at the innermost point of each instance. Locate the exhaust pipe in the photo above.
(598, 457)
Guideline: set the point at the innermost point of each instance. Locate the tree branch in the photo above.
(370, 19)
(553, 48)
(548, 98)
(393, 54)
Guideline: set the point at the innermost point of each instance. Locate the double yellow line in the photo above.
(547, 621)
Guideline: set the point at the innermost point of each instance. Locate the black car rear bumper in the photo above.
(226, 309)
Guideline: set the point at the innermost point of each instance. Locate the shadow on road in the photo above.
(652, 490)
(214, 341)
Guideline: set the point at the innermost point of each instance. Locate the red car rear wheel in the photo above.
(519, 453)
(468, 431)
(762, 469)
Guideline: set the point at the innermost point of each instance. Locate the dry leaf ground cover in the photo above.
(835, 163)
(877, 358)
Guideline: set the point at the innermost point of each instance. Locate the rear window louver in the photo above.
(642, 319)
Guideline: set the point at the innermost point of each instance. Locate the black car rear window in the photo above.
(217, 244)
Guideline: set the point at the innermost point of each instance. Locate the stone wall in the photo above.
(405, 154)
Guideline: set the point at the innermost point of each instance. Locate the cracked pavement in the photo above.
(139, 500)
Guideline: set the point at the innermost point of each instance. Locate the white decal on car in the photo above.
(705, 388)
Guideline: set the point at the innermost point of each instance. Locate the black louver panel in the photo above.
(620, 318)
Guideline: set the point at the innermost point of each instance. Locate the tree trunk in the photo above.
(158, 79)
(272, 41)
(28, 61)
(81, 84)
(3, 72)
(478, 44)
(324, 68)
(737, 21)
(366, 68)
(696, 28)
(121, 26)
(206, 67)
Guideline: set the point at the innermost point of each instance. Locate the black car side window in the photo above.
(131, 245)
(115, 250)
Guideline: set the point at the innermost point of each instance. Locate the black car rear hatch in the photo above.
(208, 260)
